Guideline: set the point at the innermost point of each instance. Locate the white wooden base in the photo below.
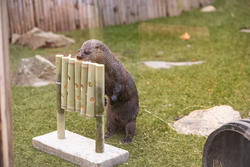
(79, 150)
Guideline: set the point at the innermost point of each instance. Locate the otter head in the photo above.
(93, 51)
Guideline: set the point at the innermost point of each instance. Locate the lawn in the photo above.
(165, 95)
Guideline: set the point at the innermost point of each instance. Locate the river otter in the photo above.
(123, 104)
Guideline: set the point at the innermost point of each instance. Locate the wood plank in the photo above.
(80, 11)
(63, 15)
(195, 3)
(39, 5)
(76, 14)
(100, 16)
(5, 104)
(31, 14)
(20, 13)
(26, 15)
(106, 15)
(53, 17)
(56, 13)
(145, 9)
(11, 21)
(35, 10)
(72, 15)
(89, 14)
(45, 14)
(49, 16)
(85, 14)
(186, 5)
(174, 7)
(14, 13)
(60, 16)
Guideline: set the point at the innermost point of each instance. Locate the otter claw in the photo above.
(126, 140)
(107, 135)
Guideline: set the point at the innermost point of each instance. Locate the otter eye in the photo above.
(97, 47)
(87, 52)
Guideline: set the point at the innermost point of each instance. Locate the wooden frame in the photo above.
(80, 88)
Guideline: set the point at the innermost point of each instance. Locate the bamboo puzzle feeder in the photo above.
(80, 88)
(82, 91)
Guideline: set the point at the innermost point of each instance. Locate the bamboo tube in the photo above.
(64, 82)
(71, 85)
(84, 80)
(58, 78)
(99, 108)
(77, 85)
(60, 111)
(90, 112)
(99, 89)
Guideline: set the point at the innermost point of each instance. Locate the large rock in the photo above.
(14, 38)
(204, 122)
(37, 38)
(35, 71)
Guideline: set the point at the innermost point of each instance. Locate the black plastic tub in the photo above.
(228, 146)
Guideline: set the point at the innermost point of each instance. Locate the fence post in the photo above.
(6, 147)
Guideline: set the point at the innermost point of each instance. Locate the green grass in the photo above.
(224, 78)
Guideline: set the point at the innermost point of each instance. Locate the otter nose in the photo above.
(79, 57)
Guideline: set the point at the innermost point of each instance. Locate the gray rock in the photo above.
(245, 30)
(163, 64)
(208, 8)
(204, 122)
(14, 38)
(35, 71)
(37, 38)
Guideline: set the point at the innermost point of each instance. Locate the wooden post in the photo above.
(60, 111)
(6, 147)
(99, 108)
(64, 82)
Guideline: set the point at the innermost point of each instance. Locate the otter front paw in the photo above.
(113, 99)
(107, 135)
(105, 101)
(126, 140)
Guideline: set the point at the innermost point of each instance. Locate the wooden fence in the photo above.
(64, 15)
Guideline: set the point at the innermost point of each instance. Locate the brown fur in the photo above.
(123, 104)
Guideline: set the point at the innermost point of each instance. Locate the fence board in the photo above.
(65, 15)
